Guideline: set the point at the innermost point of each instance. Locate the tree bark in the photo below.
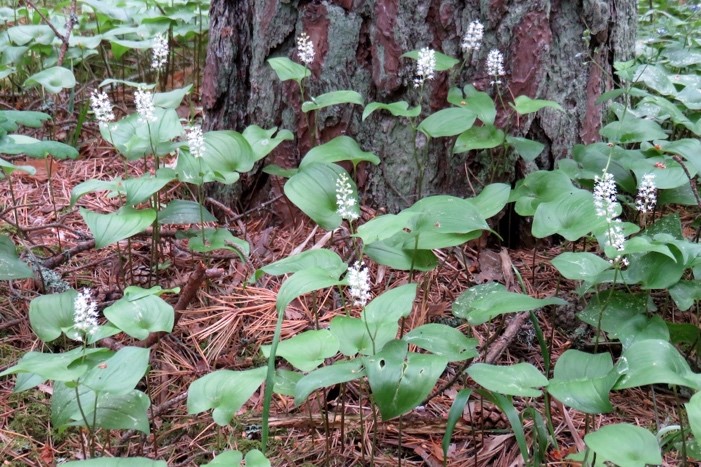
(358, 46)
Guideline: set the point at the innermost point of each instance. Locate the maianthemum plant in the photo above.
(578, 201)
(632, 263)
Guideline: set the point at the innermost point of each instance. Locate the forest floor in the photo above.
(228, 319)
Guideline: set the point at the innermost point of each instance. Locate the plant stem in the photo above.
(270, 381)
(85, 420)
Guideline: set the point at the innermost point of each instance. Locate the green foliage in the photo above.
(400, 380)
(481, 303)
(225, 391)
(141, 312)
(628, 286)
(119, 225)
(11, 267)
(520, 379)
(625, 445)
(583, 381)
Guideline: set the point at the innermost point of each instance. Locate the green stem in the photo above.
(270, 382)
(85, 419)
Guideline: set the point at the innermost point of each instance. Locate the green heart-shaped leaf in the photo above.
(128, 411)
(286, 69)
(180, 211)
(52, 79)
(580, 266)
(526, 105)
(307, 350)
(486, 136)
(341, 148)
(262, 141)
(655, 361)
(520, 379)
(339, 372)
(11, 267)
(332, 98)
(313, 190)
(53, 314)
(401, 380)
(625, 445)
(448, 122)
(583, 381)
(481, 303)
(225, 391)
(119, 373)
(397, 109)
(139, 315)
(441, 339)
(111, 228)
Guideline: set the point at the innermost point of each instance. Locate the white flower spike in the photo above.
(495, 66)
(472, 40)
(144, 105)
(195, 139)
(159, 52)
(605, 196)
(101, 107)
(359, 283)
(605, 206)
(305, 49)
(425, 66)
(646, 200)
(346, 202)
(85, 313)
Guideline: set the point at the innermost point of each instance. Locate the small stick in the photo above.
(64, 38)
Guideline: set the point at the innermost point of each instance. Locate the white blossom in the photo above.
(346, 202)
(195, 139)
(359, 283)
(646, 199)
(495, 66)
(616, 238)
(605, 196)
(472, 40)
(305, 49)
(605, 206)
(159, 52)
(85, 313)
(425, 66)
(101, 106)
(144, 105)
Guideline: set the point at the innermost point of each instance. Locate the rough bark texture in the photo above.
(358, 46)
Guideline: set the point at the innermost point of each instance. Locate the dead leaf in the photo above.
(47, 454)
(43, 168)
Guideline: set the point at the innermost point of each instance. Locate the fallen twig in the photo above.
(186, 295)
(70, 24)
(61, 258)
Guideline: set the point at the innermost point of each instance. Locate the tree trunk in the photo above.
(358, 46)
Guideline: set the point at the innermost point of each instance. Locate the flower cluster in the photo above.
(605, 196)
(102, 107)
(495, 66)
(425, 66)
(305, 49)
(85, 313)
(159, 52)
(605, 206)
(359, 283)
(195, 139)
(144, 105)
(646, 200)
(346, 202)
(472, 40)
